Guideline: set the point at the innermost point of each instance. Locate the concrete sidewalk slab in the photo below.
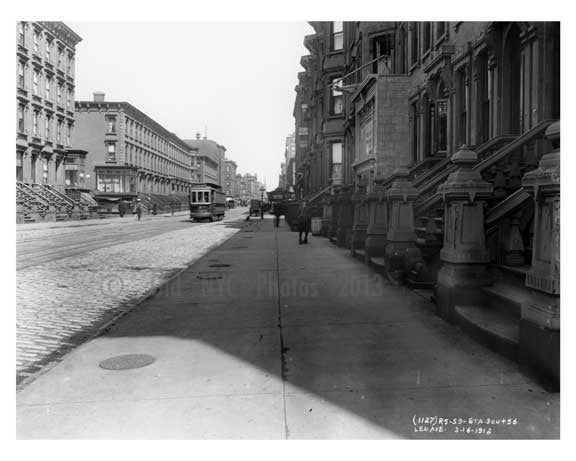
(265, 358)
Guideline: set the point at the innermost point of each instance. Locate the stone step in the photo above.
(496, 328)
(506, 297)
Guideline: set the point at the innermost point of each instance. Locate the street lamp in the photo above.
(262, 190)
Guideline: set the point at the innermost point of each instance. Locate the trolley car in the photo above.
(207, 201)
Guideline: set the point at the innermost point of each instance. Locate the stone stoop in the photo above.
(495, 320)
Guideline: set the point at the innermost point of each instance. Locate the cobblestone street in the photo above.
(73, 279)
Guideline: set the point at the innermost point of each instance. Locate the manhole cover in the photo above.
(219, 265)
(209, 276)
(127, 362)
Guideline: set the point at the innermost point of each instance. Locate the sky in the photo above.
(234, 81)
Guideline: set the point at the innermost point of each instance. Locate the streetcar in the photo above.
(207, 201)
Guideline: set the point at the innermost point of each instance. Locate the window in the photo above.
(110, 124)
(35, 82)
(44, 171)
(69, 64)
(461, 103)
(21, 74)
(59, 132)
(366, 138)
(47, 126)
(425, 37)
(336, 162)
(48, 86)
(21, 33)
(415, 113)
(69, 98)
(440, 29)
(414, 43)
(383, 50)
(35, 116)
(48, 51)
(111, 148)
(36, 43)
(21, 127)
(337, 105)
(337, 36)
(59, 94)
(60, 58)
(68, 134)
(19, 171)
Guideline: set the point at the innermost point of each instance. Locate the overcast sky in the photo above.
(235, 79)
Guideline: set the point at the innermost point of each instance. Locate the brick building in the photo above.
(395, 120)
(129, 154)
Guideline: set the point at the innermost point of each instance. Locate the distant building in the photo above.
(210, 159)
(128, 152)
(289, 163)
(45, 59)
(229, 185)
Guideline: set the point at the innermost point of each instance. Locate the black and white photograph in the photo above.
(266, 229)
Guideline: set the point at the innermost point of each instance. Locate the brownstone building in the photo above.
(430, 149)
(50, 176)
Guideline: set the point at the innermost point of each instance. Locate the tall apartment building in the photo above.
(45, 59)
(210, 158)
(128, 152)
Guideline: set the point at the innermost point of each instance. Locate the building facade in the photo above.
(45, 61)
(229, 186)
(129, 153)
(210, 158)
(421, 144)
(289, 163)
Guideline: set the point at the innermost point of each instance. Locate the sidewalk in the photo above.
(109, 219)
(263, 338)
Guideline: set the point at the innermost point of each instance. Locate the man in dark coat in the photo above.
(121, 208)
(304, 222)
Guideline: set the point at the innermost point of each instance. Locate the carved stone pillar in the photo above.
(401, 252)
(464, 255)
(540, 319)
(360, 222)
(345, 218)
(377, 229)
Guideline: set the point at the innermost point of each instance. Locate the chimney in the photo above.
(99, 96)
(197, 135)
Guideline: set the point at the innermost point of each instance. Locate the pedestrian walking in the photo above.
(155, 209)
(304, 222)
(278, 211)
(138, 209)
(122, 208)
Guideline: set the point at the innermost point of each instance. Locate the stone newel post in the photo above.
(540, 322)
(401, 252)
(375, 243)
(464, 255)
(360, 223)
